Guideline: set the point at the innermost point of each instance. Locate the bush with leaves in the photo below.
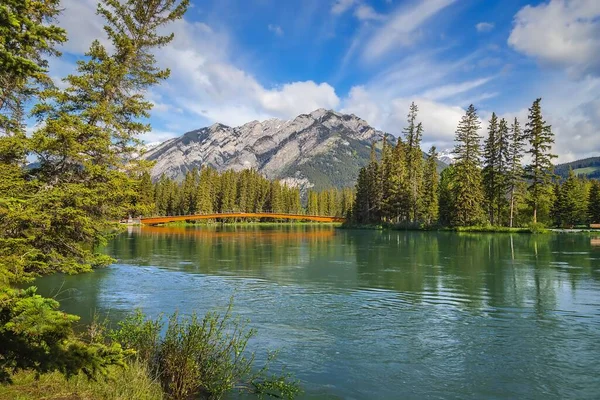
(35, 335)
(202, 357)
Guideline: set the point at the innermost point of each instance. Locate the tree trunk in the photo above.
(512, 206)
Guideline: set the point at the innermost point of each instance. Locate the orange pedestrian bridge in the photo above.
(240, 215)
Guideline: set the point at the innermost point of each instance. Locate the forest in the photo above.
(488, 185)
(207, 191)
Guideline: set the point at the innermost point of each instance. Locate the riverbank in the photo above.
(467, 229)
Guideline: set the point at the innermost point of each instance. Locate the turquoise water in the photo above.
(370, 314)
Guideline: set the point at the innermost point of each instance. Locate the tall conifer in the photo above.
(540, 171)
(430, 188)
(514, 168)
(467, 189)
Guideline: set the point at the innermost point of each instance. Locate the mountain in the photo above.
(447, 156)
(588, 167)
(317, 150)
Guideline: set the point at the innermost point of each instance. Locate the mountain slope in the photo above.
(588, 167)
(317, 150)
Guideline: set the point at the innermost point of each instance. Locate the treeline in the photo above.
(208, 191)
(487, 185)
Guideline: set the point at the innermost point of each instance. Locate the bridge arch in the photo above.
(238, 215)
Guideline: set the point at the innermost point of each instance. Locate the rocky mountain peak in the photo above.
(321, 149)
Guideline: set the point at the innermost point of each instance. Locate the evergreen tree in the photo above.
(430, 188)
(540, 171)
(594, 203)
(27, 36)
(514, 177)
(414, 161)
(446, 196)
(490, 170)
(399, 192)
(565, 203)
(361, 212)
(467, 189)
(503, 163)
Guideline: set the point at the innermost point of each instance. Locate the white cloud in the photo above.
(484, 27)
(561, 32)
(401, 29)
(439, 119)
(82, 24)
(365, 12)
(451, 90)
(276, 29)
(341, 6)
(205, 86)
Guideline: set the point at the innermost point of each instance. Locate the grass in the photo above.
(471, 229)
(133, 382)
(585, 171)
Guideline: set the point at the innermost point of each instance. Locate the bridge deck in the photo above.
(298, 217)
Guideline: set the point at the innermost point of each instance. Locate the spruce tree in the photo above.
(430, 188)
(446, 196)
(594, 203)
(490, 169)
(540, 171)
(27, 36)
(566, 201)
(514, 169)
(361, 211)
(467, 192)
(413, 134)
(503, 163)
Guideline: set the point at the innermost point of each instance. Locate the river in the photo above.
(371, 314)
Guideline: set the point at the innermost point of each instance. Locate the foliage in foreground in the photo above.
(202, 357)
(36, 336)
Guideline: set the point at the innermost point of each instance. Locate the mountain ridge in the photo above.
(318, 150)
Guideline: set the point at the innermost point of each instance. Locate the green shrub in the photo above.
(202, 357)
(36, 336)
(537, 228)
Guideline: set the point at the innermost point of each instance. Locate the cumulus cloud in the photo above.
(562, 33)
(439, 119)
(205, 85)
(401, 28)
(484, 27)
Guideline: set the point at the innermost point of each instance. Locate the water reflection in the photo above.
(370, 314)
(468, 270)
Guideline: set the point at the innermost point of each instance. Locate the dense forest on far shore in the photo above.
(487, 186)
(207, 191)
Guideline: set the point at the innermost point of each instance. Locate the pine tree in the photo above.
(27, 35)
(503, 162)
(374, 188)
(540, 172)
(361, 212)
(490, 170)
(414, 161)
(566, 200)
(594, 203)
(446, 196)
(430, 188)
(467, 189)
(515, 169)
(399, 200)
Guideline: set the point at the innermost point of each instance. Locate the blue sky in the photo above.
(234, 61)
